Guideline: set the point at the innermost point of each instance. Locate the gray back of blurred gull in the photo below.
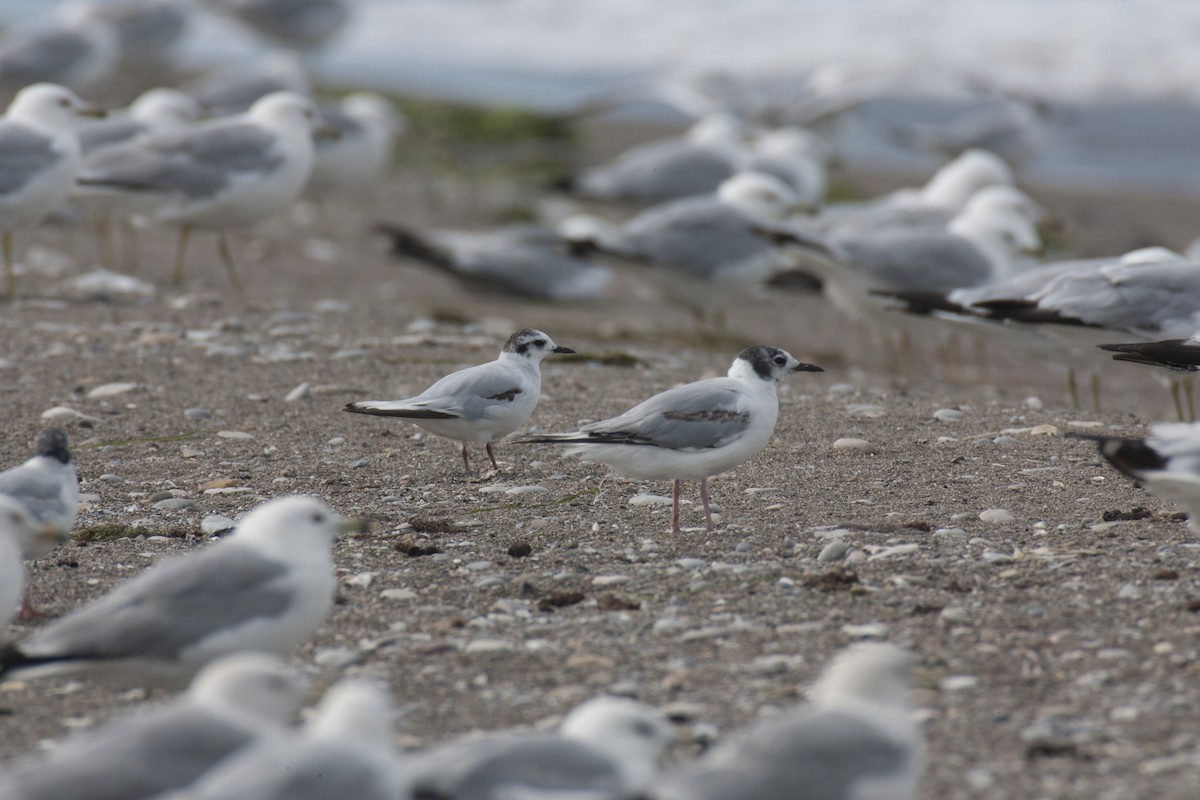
(693, 164)
(360, 155)
(523, 260)
(265, 588)
(857, 740)
(344, 753)
(607, 747)
(298, 24)
(79, 51)
(16, 525)
(231, 704)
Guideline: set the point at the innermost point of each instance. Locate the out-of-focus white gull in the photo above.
(361, 154)
(265, 588)
(148, 31)
(221, 174)
(606, 747)
(1010, 127)
(233, 87)
(156, 111)
(344, 753)
(298, 24)
(694, 431)
(722, 238)
(16, 526)
(1167, 462)
(947, 191)
(711, 151)
(523, 260)
(39, 159)
(231, 704)
(482, 403)
(78, 51)
(46, 486)
(795, 156)
(857, 739)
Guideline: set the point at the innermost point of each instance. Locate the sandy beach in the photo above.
(1056, 634)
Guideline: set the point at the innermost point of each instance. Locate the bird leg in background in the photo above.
(708, 523)
(227, 262)
(129, 245)
(1189, 393)
(185, 232)
(983, 373)
(675, 506)
(1173, 387)
(492, 456)
(27, 611)
(1094, 386)
(102, 229)
(10, 277)
(1072, 389)
(466, 461)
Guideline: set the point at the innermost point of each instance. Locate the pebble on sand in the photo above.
(997, 516)
(850, 443)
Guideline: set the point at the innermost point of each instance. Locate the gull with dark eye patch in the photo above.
(694, 431)
(479, 404)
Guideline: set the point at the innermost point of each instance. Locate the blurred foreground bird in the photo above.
(47, 487)
(694, 431)
(857, 739)
(265, 588)
(231, 703)
(344, 753)
(481, 403)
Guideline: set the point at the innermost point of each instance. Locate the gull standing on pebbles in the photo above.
(1167, 462)
(606, 747)
(481, 403)
(39, 159)
(265, 588)
(222, 174)
(47, 487)
(694, 431)
(857, 740)
(344, 753)
(231, 704)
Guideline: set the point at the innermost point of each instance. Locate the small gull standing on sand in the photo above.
(1167, 462)
(606, 747)
(522, 260)
(220, 174)
(694, 431)
(482, 403)
(231, 704)
(39, 159)
(266, 588)
(47, 487)
(858, 739)
(344, 753)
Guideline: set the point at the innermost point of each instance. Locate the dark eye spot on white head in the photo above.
(64, 102)
(318, 517)
(780, 360)
(644, 729)
(539, 343)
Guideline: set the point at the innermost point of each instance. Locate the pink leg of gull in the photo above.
(707, 511)
(675, 507)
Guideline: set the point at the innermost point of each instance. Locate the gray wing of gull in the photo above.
(44, 56)
(698, 236)
(526, 260)
(480, 770)
(1150, 297)
(171, 606)
(24, 154)
(695, 416)
(96, 134)
(197, 163)
(134, 757)
(915, 261)
(659, 171)
(469, 393)
(820, 756)
(293, 767)
(39, 492)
